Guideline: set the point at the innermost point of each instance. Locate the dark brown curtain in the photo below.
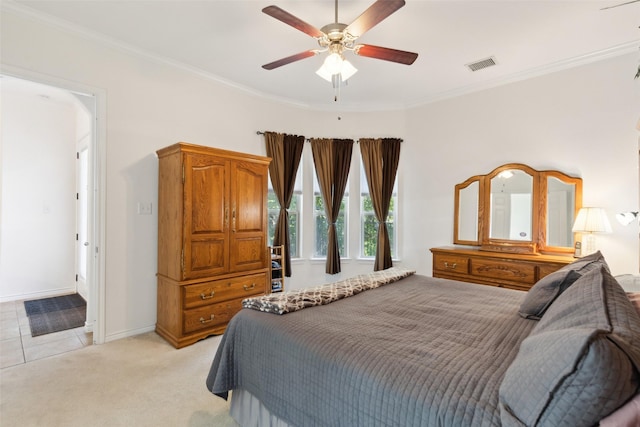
(285, 152)
(380, 158)
(332, 159)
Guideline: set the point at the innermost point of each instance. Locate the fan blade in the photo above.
(620, 4)
(289, 19)
(386, 54)
(372, 16)
(290, 59)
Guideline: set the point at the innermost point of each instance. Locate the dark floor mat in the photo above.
(56, 321)
(47, 305)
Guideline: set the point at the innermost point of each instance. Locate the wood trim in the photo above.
(510, 270)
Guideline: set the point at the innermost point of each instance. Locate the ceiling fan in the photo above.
(620, 4)
(336, 38)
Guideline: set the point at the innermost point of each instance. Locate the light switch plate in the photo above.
(144, 208)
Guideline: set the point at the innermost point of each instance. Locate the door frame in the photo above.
(96, 273)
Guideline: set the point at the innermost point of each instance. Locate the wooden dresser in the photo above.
(212, 238)
(514, 271)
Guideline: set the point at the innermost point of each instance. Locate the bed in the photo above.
(394, 348)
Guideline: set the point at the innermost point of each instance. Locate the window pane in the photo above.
(294, 243)
(369, 224)
(294, 214)
(273, 209)
(322, 228)
(370, 230)
(294, 223)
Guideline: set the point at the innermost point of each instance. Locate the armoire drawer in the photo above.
(210, 316)
(205, 293)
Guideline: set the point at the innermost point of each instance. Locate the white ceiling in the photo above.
(230, 40)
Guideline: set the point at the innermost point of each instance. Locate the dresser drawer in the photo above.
(504, 270)
(546, 269)
(210, 316)
(451, 263)
(202, 294)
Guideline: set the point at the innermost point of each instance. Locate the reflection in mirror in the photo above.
(511, 206)
(468, 198)
(561, 207)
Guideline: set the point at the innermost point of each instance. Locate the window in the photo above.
(321, 225)
(294, 215)
(369, 223)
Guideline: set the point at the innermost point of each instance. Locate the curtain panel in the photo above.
(285, 152)
(332, 160)
(380, 158)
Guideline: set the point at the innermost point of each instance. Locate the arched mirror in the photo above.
(510, 201)
(517, 209)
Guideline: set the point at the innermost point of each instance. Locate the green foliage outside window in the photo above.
(273, 211)
(322, 228)
(370, 227)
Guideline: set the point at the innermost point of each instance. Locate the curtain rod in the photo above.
(259, 132)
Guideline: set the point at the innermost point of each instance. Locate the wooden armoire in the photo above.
(212, 238)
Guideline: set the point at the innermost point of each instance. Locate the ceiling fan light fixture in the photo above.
(335, 64)
(348, 70)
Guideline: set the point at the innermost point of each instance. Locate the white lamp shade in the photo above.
(348, 70)
(322, 72)
(592, 220)
(336, 64)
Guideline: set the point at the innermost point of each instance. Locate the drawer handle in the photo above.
(248, 288)
(452, 266)
(203, 320)
(203, 296)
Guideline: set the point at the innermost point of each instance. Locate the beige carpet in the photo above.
(137, 381)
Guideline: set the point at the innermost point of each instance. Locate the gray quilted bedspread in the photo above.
(418, 352)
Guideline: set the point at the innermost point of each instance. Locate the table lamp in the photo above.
(591, 220)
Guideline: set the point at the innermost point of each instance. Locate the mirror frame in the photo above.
(456, 219)
(544, 180)
(538, 215)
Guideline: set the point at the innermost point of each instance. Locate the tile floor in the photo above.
(17, 346)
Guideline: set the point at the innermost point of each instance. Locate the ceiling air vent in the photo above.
(483, 63)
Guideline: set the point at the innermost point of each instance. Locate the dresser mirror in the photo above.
(517, 209)
(510, 201)
(467, 211)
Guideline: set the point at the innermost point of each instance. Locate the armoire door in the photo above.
(206, 216)
(248, 216)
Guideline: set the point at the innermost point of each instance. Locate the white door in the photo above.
(82, 236)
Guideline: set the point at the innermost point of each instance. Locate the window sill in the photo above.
(373, 260)
(322, 260)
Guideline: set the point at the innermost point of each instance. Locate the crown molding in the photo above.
(60, 24)
(25, 11)
(621, 49)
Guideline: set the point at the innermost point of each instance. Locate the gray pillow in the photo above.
(587, 263)
(545, 291)
(581, 360)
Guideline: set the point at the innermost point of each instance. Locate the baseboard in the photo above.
(37, 295)
(88, 327)
(129, 333)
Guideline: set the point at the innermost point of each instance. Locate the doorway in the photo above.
(84, 140)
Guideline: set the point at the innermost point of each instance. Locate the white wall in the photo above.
(581, 121)
(151, 105)
(38, 204)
